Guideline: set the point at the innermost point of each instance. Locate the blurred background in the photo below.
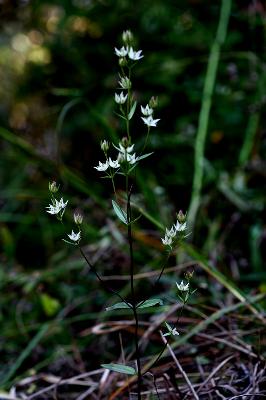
(58, 75)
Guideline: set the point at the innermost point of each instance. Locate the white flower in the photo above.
(113, 164)
(124, 150)
(62, 204)
(57, 206)
(74, 236)
(150, 121)
(122, 52)
(171, 232)
(167, 241)
(134, 55)
(171, 331)
(182, 286)
(53, 209)
(130, 158)
(147, 111)
(180, 227)
(78, 218)
(124, 82)
(120, 98)
(102, 166)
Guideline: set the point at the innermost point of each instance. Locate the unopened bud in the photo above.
(125, 142)
(127, 37)
(78, 218)
(52, 187)
(122, 62)
(189, 275)
(105, 146)
(181, 217)
(153, 103)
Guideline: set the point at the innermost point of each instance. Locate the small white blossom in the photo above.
(122, 52)
(171, 232)
(124, 150)
(171, 331)
(120, 98)
(167, 241)
(62, 204)
(147, 111)
(102, 166)
(125, 82)
(180, 227)
(149, 121)
(134, 55)
(78, 218)
(57, 206)
(75, 237)
(130, 158)
(53, 209)
(182, 286)
(113, 164)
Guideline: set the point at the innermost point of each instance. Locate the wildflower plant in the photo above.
(123, 158)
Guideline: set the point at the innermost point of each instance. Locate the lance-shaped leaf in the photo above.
(144, 156)
(150, 303)
(123, 369)
(132, 111)
(119, 306)
(119, 212)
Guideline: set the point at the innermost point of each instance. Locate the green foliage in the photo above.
(122, 369)
(57, 68)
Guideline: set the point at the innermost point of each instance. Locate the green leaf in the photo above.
(123, 369)
(150, 303)
(49, 304)
(132, 111)
(144, 156)
(119, 212)
(68, 242)
(118, 306)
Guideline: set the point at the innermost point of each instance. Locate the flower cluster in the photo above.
(124, 156)
(129, 51)
(148, 118)
(108, 163)
(58, 207)
(170, 234)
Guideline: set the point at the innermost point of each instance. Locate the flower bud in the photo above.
(105, 146)
(52, 187)
(181, 218)
(122, 62)
(125, 142)
(189, 274)
(127, 37)
(153, 103)
(78, 218)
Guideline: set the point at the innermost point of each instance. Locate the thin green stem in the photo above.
(103, 283)
(132, 289)
(146, 139)
(205, 110)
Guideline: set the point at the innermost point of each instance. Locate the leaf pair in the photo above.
(144, 304)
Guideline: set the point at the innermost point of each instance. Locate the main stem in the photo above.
(133, 297)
